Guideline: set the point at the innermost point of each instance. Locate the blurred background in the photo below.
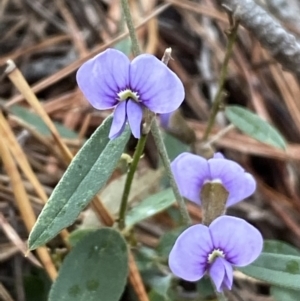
(49, 40)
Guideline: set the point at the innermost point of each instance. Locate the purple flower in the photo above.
(165, 120)
(110, 80)
(228, 241)
(192, 172)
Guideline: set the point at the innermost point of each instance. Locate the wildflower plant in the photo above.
(228, 241)
(110, 80)
(193, 173)
(99, 264)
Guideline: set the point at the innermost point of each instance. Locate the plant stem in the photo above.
(133, 166)
(166, 162)
(128, 19)
(218, 98)
(142, 141)
(140, 147)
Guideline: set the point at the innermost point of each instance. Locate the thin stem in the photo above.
(128, 19)
(157, 138)
(218, 98)
(166, 162)
(133, 166)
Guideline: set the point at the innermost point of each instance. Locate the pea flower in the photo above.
(110, 80)
(192, 172)
(228, 241)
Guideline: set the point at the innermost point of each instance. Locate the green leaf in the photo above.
(37, 122)
(160, 284)
(86, 175)
(205, 288)
(145, 258)
(284, 294)
(124, 46)
(280, 247)
(154, 296)
(167, 241)
(252, 125)
(174, 146)
(78, 235)
(150, 206)
(277, 269)
(96, 269)
(36, 285)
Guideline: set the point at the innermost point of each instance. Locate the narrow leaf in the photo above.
(284, 294)
(96, 269)
(276, 269)
(168, 240)
(280, 247)
(37, 122)
(150, 206)
(252, 125)
(86, 175)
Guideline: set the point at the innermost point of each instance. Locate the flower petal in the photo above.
(188, 257)
(237, 182)
(165, 120)
(102, 77)
(135, 116)
(240, 241)
(228, 278)
(221, 273)
(217, 273)
(158, 87)
(119, 120)
(218, 155)
(190, 172)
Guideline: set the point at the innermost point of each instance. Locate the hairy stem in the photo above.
(128, 19)
(166, 162)
(218, 98)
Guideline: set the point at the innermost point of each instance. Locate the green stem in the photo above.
(141, 144)
(133, 166)
(166, 162)
(218, 98)
(140, 147)
(128, 18)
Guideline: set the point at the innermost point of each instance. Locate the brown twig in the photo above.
(23, 203)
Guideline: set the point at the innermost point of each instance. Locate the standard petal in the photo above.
(190, 172)
(135, 116)
(102, 77)
(240, 241)
(221, 273)
(158, 87)
(237, 182)
(188, 257)
(119, 120)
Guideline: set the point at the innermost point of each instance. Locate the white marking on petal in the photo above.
(214, 254)
(128, 94)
